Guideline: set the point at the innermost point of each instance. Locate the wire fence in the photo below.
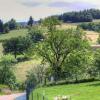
(38, 96)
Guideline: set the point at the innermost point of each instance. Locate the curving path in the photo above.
(18, 96)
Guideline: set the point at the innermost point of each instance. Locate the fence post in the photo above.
(43, 97)
(37, 96)
(32, 96)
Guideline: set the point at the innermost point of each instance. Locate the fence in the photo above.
(38, 96)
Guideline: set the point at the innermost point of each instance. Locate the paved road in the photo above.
(18, 96)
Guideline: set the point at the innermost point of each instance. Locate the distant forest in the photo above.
(81, 16)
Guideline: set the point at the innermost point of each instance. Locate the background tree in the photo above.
(97, 62)
(30, 22)
(17, 46)
(35, 34)
(1, 27)
(12, 24)
(51, 23)
(78, 64)
(6, 28)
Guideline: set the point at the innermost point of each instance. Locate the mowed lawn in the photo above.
(82, 91)
(13, 34)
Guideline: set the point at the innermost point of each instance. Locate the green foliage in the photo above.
(17, 46)
(35, 34)
(90, 26)
(37, 75)
(31, 78)
(6, 71)
(97, 61)
(79, 63)
(1, 26)
(58, 44)
(30, 22)
(98, 39)
(6, 28)
(80, 16)
(12, 24)
(51, 23)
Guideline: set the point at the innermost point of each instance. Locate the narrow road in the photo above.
(18, 96)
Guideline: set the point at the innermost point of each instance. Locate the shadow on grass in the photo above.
(95, 84)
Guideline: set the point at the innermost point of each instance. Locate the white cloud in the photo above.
(22, 9)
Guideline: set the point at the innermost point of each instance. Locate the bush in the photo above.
(17, 46)
(35, 34)
(90, 26)
(6, 71)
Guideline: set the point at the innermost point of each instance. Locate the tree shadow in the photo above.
(22, 97)
(95, 84)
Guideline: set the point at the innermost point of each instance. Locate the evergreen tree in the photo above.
(30, 22)
(12, 24)
(1, 26)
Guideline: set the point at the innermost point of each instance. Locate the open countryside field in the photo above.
(83, 91)
(91, 35)
(13, 34)
(23, 67)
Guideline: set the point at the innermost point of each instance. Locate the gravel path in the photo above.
(19, 96)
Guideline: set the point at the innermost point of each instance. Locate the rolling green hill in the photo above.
(14, 33)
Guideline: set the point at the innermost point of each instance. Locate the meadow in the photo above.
(82, 91)
(13, 34)
(22, 67)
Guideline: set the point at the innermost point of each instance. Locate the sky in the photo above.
(22, 9)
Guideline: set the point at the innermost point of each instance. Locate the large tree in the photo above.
(1, 26)
(79, 63)
(58, 44)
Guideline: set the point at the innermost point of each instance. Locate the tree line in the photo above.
(13, 25)
(81, 16)
(90, 26)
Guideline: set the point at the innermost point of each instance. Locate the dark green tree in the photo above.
(31, 21)
(17, 46)
(1, 26)
(58, 44)
(7, 71)
(12, 24)
(35, 34)
(6, 28)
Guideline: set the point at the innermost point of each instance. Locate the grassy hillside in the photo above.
(23, 67)
(91, 35)
(83, 91)
(14, 33)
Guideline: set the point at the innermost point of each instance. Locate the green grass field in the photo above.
(14, 33)
(83, 91)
